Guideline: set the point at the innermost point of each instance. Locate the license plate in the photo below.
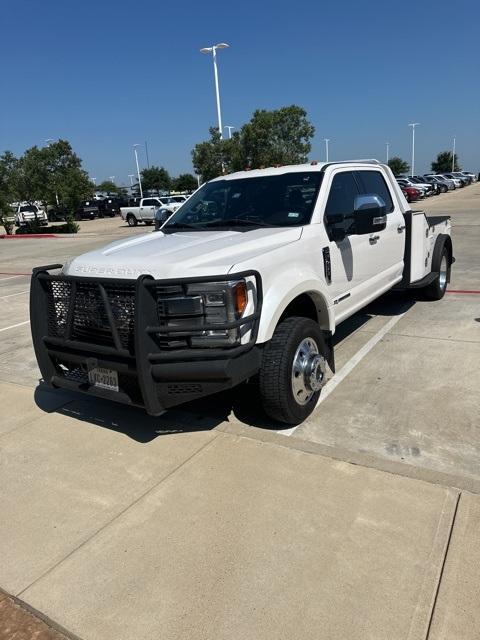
(103, 378)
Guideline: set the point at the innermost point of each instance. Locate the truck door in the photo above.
(147, 207)
(361, 265)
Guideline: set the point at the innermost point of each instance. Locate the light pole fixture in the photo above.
(227, 126)
(49, 141)
(131, 176)
(112, 179)
(213, 51)
(138, 169)
(94, 180)
(388, 151)
(413, 125)
(453, 155)
(327, 140)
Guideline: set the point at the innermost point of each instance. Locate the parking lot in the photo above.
(84, 481)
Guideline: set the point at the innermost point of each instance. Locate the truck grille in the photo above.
(89, 314)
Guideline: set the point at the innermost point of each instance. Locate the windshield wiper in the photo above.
(181, 225)
(238, 222)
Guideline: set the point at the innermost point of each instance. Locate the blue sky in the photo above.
(106, 74)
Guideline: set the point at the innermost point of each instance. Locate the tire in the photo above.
(131, 220)
(292, 359)
(444, 189)
(441, 263)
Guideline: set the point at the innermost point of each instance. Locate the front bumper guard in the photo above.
(149, 376)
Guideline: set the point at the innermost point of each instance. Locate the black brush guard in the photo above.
(123, 317)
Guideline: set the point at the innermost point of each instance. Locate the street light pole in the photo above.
(453, 155)
(388, 151)
(213, 51)
(138, 169)
(227, 126)
(327, 140)
(413, 125)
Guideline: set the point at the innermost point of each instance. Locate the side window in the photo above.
(148, 202)
(341, 199)
(374, 182)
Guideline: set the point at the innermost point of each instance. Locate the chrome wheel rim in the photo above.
(308, 371)
(442, 276)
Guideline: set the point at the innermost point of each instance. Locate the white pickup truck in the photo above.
(30, 212)
(145, 211)
(248, 280)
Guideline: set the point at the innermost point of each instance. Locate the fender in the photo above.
(284, 287)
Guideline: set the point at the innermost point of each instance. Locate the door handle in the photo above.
(374, 239)
(400, 228)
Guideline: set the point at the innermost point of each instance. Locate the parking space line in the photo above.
(13, 326)
(19, 275)
(465, 291)
(333, 383)
(10, 295)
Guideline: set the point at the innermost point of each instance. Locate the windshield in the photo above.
(30, 208)
(283, 200)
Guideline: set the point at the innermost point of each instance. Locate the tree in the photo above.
(185, 182)
(8, 164)
(398, 166)
(52, 175)
(274, 137)
(443, 163)
(156, 179)
(208, 156)
(107, 186)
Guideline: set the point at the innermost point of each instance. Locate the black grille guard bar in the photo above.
(147, 353)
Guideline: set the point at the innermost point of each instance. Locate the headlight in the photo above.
(208, 303)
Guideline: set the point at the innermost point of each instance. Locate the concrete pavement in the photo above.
(213, 535)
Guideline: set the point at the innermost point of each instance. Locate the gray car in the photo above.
(443, 184)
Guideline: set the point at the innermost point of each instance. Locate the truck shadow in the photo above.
(240, 404)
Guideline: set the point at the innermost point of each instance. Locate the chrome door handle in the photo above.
(373, 239)
(400, 228)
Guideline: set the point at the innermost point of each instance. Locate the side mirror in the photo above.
(370, 214)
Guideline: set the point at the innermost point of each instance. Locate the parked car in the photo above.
(458, 182)
(253, 288)
(109, 207)
(473, 176)
(30, 212)
(462, 176)
(145, 210)
(411, 194)
(431, 188)
(88, 210)
(57, 214)
(443, 184)
(406, 182)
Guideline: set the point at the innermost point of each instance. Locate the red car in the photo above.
(411, 194)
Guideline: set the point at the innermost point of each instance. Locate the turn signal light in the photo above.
(241, 298)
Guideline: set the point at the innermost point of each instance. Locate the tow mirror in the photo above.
(370, 214)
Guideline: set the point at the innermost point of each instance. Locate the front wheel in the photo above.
(131, 220)
(293, 370)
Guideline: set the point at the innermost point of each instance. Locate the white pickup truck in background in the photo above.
(145, 210)
(248, 280)
(30, 212)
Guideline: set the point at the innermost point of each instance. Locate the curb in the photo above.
(22, 236)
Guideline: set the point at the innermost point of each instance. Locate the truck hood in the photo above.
(180, 255)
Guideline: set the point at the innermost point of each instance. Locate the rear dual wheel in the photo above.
(440, 263)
